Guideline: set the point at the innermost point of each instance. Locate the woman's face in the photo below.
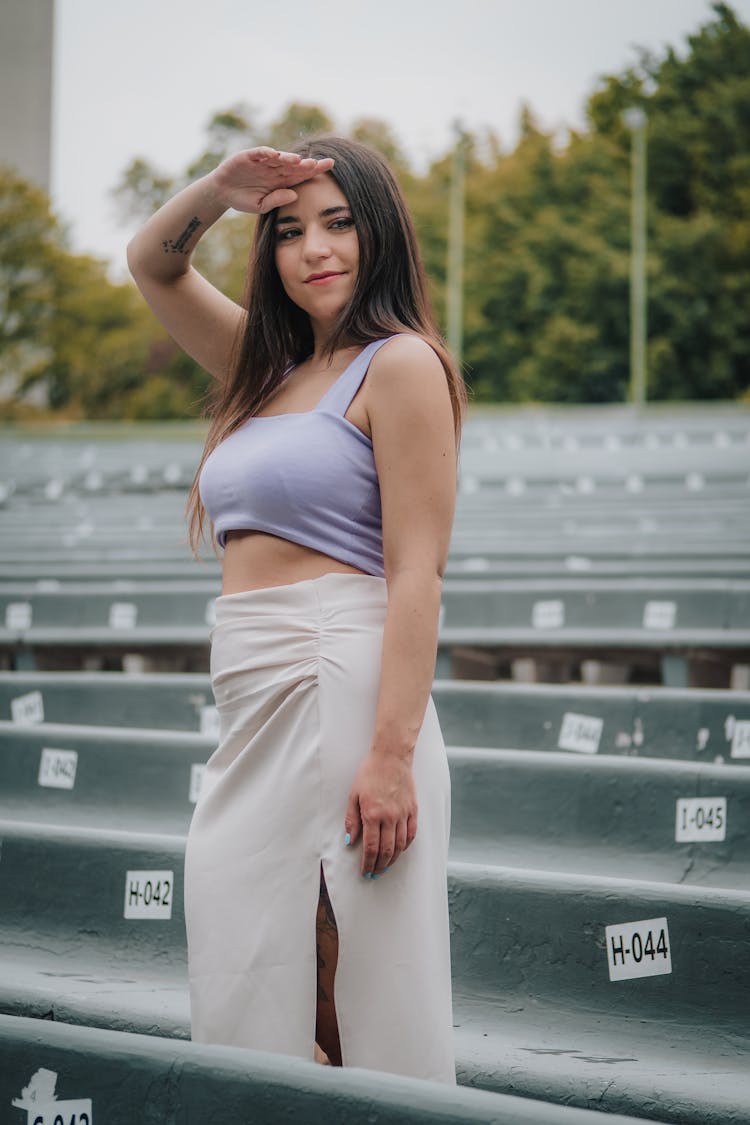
(317, 249)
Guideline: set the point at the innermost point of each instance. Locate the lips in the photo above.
(326, 276)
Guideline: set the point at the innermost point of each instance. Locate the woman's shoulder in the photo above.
(405, 368)
(406, 352)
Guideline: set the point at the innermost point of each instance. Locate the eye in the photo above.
(284, 234)
(343, 223)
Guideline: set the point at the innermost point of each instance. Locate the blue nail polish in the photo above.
(347, 840)
(375, 875)
(368, 875)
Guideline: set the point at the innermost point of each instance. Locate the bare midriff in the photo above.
(254, 560)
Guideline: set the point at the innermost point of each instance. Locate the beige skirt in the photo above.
(295, 671)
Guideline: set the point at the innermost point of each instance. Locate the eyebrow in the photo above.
(322, 214)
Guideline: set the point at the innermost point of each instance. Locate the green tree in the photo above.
(65, 329)
(698, 110)
(30, 238)
(298, 120)
(379, 135)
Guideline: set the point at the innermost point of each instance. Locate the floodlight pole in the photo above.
(635, 119)
(455, 280)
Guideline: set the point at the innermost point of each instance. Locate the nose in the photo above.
(316, 243)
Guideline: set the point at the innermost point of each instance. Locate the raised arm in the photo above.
(202, 320)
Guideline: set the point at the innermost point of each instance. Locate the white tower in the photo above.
(26, 36)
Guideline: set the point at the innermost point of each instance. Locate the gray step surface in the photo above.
(131, 1078)
(24, 573)
(530, 962)
(710, 726)
(654, 820)
(658, 606)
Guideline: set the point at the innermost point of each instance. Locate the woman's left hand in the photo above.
(382, 806)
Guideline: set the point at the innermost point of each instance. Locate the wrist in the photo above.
(397, 746)
(212, 196)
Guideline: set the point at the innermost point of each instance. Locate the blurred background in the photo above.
(579, 173)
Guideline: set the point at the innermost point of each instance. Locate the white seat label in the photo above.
(18, 615)
(210, 614)
(57, 768)
(548, 615)
(27, 709)
(209, 721)
(42, 1106)
(659, 615)
(62, 1113)
(741, 739)
(700, 818)
(123, 615)
(581, 733)
(638, 949)
(196, 780)
(148, 894)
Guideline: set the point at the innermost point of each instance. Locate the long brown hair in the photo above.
(390, 296)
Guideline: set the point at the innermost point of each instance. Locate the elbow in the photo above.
(132, 257)
(425, 574)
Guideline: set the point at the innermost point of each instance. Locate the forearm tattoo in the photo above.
(178, 246)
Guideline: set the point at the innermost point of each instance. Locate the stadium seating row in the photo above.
(544, 964)
(541, 946)
(691, 725)
(659, 820)
(128, 1078)
(679, 632)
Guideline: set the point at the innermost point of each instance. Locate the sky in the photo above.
(144, 77)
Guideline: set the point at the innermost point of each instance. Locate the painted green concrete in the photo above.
(131, 1078)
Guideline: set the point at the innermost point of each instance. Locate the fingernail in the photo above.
(375, 875)
(347, 840)
(368, 875)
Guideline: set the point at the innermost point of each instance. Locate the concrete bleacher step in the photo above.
(85, 935)
(100, 777)
(45, 570)
(649, 820)
(686, 632)
(124, 1079)
(649, 604)
(709, 726)
(661, 820)
(532, 956)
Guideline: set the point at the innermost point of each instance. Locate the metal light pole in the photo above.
(455, 281)
(635, 119)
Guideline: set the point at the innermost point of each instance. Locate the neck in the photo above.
(321, 341)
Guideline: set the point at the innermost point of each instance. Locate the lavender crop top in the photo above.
(307, 477)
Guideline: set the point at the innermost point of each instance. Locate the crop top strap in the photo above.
(338, 397)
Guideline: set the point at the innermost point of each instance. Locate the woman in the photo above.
(316, 908)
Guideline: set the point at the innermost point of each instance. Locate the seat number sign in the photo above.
(62, 1113)
(638, 949)
(57, 768)
(581, 733)
(148, 894)
(700, 819)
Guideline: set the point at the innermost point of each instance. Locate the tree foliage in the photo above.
(546, 301)
(65, 328)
